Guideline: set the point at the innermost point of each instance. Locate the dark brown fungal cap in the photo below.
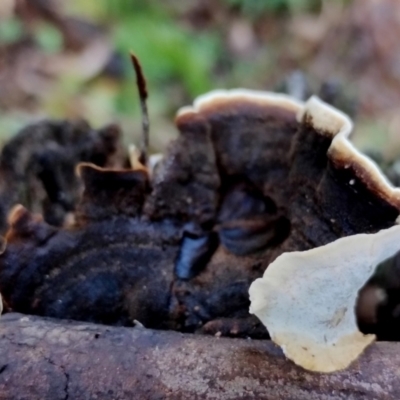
(25, 226)
(186, 185)
(111, 271)
(251, 175)
(299, 158)
(37, 166)
(111, 192)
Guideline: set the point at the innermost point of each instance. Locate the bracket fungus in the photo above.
(252, 175)
(37, 166)
(313, 316)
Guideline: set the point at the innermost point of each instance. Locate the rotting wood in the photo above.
(52, 359)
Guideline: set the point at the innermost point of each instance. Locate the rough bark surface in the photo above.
(51, 359)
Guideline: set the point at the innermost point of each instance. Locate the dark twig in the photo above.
(143, 94)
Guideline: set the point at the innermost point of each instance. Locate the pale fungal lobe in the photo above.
(307, 299)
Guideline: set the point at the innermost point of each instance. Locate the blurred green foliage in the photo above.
(180, 59)
(168, 52)
(171, 52)
(48, 38)
(178, 62)
(254, 8)
(10, 30)
(167, 49)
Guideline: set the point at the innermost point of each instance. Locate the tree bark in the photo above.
(41, 358)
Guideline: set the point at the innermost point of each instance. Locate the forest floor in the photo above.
(71, 60)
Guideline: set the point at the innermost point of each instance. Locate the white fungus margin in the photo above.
(307, 299)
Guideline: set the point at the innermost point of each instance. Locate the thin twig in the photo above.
(143, 94)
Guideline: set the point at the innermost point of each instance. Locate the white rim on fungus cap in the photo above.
(324, 118)
(307, 299)
(215, 97)
(327, 119)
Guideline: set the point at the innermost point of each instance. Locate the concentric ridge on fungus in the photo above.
(252, 175)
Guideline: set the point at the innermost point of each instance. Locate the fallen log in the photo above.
(42, 358)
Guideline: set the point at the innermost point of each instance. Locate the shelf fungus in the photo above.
(312, 317)
(252, 175)
(37, 166)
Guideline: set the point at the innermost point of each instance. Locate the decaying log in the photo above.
(52, 359)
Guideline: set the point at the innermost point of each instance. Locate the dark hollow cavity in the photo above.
(378, 305)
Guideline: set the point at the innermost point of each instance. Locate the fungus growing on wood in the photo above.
(252, 175)
(307, 300)
(37, 166)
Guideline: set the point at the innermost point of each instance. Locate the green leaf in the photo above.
(10, 30)
(49, 38)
